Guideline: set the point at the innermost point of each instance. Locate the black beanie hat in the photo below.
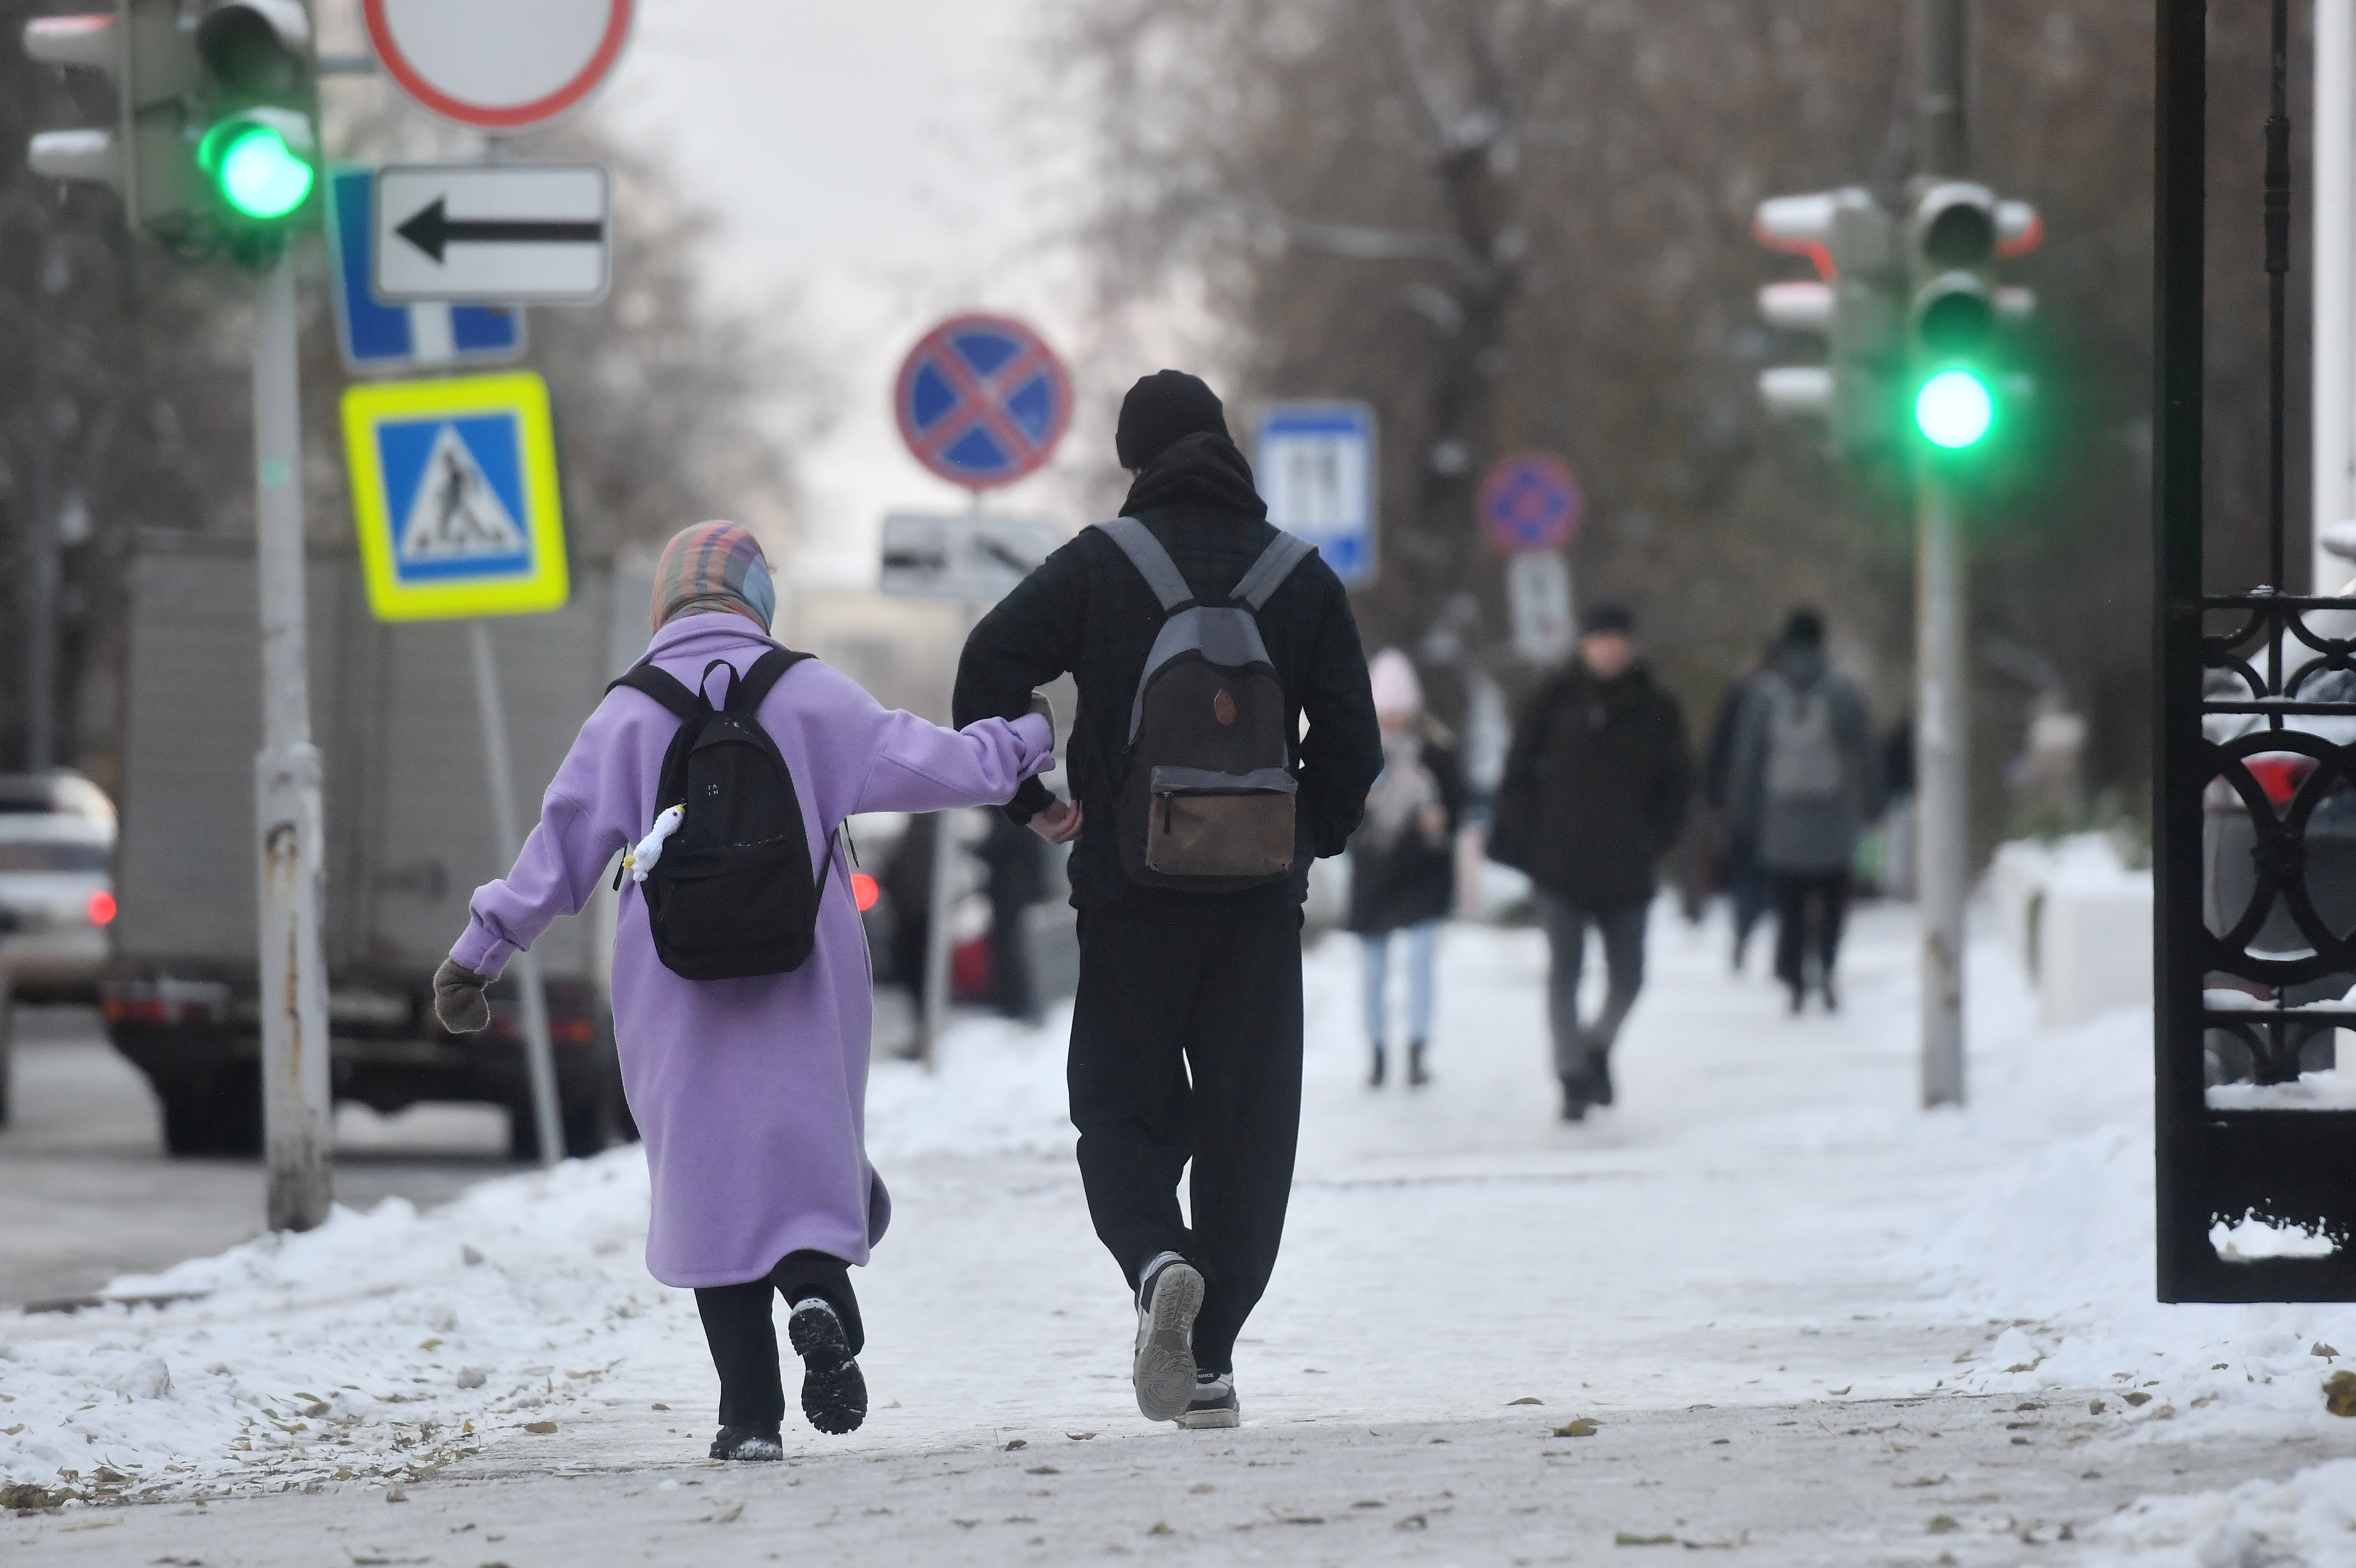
(1805, 628)
(1159, 409)
(1609, 618)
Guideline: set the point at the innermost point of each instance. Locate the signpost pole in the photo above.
(1943, 849)
(540, 1059)
(296, 1107)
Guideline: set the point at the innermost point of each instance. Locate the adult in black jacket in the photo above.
(1186, 1032)
(1594, 791)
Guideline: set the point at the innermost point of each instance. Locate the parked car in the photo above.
(57, 896)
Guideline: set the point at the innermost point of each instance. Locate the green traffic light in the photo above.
(1954, 410)
(258, 173)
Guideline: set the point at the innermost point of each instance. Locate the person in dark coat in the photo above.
(1403, 859)
(1746, 879)
(1593, 795)
(1807, 781)
(1186, 1031)
(1015, 862)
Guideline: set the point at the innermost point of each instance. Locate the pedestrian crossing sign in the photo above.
(455, 491)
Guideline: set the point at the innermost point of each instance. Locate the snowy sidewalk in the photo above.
(1765, 1226)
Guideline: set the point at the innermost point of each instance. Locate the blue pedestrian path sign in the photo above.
(1315, 462)
(982, 401)
(455, 492)
(377, 337)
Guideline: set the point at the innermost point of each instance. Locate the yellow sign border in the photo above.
(548, 584)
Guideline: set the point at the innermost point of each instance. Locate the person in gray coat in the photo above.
(1805, 783)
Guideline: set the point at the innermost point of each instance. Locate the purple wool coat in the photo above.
(751, 1093)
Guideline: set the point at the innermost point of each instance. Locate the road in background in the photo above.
(87, 1193)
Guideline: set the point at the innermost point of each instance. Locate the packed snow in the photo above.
(1766, 1218)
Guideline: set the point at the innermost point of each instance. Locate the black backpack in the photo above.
(733, 894)
(1206, 805)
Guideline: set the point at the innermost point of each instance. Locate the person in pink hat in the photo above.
(1403, 858)
(750, 1090)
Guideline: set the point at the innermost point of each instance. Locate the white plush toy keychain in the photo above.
(649, 854)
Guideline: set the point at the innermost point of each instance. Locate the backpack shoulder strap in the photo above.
(1269, 572)
(660, 685)
(760, 677)
(1152, 562)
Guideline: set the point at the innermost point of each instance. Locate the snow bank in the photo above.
(2055, 1250)
(2306, 1519)
(379, 1345)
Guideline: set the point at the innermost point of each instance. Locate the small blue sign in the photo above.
(1315, 464)
(376, 337)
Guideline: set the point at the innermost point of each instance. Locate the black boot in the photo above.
(834, 1391)
(1574, 1100)
(757, 1443)
(1416, 1076)
(1375, 1079)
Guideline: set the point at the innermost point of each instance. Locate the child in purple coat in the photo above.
(750, 1092)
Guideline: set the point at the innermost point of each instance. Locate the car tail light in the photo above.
(102, 908)
(2280, 775)
(864, 889)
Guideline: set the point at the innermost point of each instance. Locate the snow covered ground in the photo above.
(1766, 1223)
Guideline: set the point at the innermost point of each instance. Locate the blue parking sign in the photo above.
(1315, 464)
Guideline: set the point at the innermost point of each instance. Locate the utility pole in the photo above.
(296, 1111)
(1941, 710)
(42, 578)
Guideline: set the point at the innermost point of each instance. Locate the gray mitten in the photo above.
(458, 999)
(1045, 709)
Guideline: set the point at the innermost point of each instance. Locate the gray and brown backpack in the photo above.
(1207, 804)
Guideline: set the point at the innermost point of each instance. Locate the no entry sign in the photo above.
(499, 65)
(982, 401)
(1530, 502)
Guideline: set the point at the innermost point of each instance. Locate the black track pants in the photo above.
(1810, 908)
(739, 1327)
(1187, 1045)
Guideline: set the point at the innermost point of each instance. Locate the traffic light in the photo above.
(1955, 236)
(1853, 303)
(149, 51)
(258, 148)
(214, 143)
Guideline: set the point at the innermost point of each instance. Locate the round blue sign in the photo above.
(982, 401)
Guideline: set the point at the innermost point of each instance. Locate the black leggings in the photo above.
(742, 1334)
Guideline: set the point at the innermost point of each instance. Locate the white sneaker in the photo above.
(1213, 1403)
(1169, 1297)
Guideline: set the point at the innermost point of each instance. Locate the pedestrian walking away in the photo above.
(740, 984)
(1200, 637)
(1593, 795)
(1806, 783)
(1403, 858)
(1747, 894)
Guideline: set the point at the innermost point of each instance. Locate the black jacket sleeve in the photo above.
(1672, 773)
(1513, 829)
(1343, 751)
(1030, 638)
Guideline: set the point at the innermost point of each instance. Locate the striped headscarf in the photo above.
(715, 567)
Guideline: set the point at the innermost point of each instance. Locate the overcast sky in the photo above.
(866, 157)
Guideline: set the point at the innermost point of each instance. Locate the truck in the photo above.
(408, 835)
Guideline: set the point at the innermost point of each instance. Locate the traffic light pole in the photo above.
(1942, 707)
(1942, 728)
(296, 1111)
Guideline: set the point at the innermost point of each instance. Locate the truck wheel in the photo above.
(187, 1116)
(589, 1123)
(236, 1110)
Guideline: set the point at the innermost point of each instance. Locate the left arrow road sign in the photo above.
(501, 232)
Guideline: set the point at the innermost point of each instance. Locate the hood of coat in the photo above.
(708, 637)
(1205, 469)
(1802, 664)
